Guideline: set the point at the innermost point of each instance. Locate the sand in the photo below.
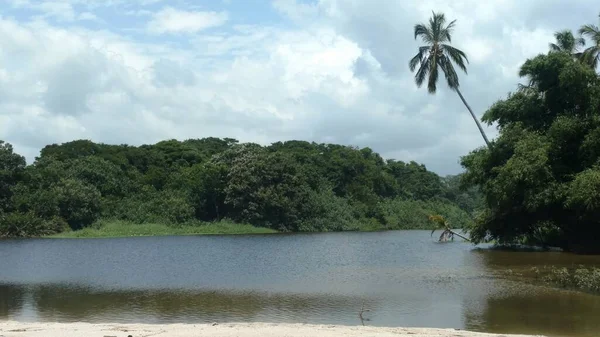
(18, 329)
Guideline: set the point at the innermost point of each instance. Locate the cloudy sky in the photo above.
(141, 71)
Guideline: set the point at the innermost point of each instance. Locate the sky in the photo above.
(333, 71)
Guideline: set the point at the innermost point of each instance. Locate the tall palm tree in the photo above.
(591, 55)
(437, 54)
(567, 43)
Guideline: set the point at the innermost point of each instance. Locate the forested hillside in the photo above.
(287, 186)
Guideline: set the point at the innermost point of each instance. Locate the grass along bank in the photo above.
(118, 228)
(581, 278)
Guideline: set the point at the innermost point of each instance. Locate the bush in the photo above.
(414, 214)
(79, 203)
(151, 206)
(29, 225)
(578, 278)
(331, 213)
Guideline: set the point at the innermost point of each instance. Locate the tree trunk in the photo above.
(460, 236)
(216, 209)
(487, 142)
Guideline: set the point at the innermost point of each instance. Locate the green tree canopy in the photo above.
(540, 180)
(288, 186)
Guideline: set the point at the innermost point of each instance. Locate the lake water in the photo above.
(404, 278)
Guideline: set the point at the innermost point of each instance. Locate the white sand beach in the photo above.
(18, 329)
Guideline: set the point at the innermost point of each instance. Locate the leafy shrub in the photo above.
(414, 214)
(330, 213)
(151, 206)
(79, 203)
(578, 278)
(28, 224)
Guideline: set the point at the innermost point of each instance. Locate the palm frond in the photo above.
(591, 56)
(424, 33)
(449, 72)
(456, 55)
(437, 53)
(436, 22)
(566, 42)
(590, 31)
(554, 47)
(422, 73)
(412, 64)
(447, 32)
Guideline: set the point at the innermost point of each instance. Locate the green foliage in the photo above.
(17, 224)
(12, 166)
(591, 55)
(577, 277)
(541, 179)
(287, 186)
(206, 184)
(437, 53)
(566, 42)
(414, 214)
(78, 202)
(267, 189)
(467, 198)
(151, 206)
(119, 228)
(328, 212)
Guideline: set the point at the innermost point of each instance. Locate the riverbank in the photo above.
(18, 329)
(113, 229)
(119, 228)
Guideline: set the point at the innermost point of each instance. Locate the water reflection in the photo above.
(516, 305)
(404, 278)
(70, 304)
(550, 313)
(11, 300)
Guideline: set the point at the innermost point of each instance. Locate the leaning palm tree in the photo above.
(437, 54)
(447, 232)
(591, 55)
(567, 43)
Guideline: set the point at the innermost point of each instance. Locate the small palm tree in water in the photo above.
(442, 224)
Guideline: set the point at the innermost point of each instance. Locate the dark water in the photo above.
(403, 277)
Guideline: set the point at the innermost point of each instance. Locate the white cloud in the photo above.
(338, 74)
(294, 10)
(88, 16)
(171, 20)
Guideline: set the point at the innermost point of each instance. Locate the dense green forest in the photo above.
(287, 186)
(541, 176)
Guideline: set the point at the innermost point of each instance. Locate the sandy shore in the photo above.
(17, 329)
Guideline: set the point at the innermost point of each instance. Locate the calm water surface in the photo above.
(404, 277)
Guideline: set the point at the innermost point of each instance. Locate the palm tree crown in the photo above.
(567, 43)
(591, 55)
(437, 53)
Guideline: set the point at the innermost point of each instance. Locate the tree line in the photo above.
(287, 186)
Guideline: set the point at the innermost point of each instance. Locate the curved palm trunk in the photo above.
(460, 236)
(487, 142)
